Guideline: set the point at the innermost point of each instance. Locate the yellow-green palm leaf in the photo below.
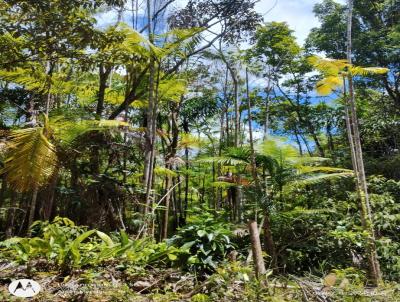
(328, 84)
(335, 70)
(31, 159)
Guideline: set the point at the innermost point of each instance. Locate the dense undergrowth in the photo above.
(206, 260)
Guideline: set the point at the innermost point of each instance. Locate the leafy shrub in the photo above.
(66, 245)
(206, 241)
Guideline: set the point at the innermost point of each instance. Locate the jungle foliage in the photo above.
(139, 138)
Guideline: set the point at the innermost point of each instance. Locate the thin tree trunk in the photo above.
(266, 118)
(296, 134)
(151, 121)
(32, 207)
(258, 260)
(330, 140)
(237, 195)
(172, 149)
(269, 242)
(3, 190)
(11, 216)
(252, 152)
(164, 230)
(317, 143)
(306, 144)
(374, 267)
(47, 208)
(104, 73)
(237, 113)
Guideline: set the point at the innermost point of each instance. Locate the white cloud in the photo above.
(297, 13)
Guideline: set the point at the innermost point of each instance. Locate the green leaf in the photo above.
(201, 233)
(105, 238)
(76, 256)
(188, 245)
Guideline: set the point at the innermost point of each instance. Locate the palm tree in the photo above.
(280, 165)
(287, 167)
(32, 154)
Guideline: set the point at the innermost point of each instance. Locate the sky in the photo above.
(297, 13)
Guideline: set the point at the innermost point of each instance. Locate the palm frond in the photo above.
(334, 70)
(31, 159)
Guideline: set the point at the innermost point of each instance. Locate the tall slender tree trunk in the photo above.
(165, 220)
(151, 120)
(250, 120)
(237, 112)
(374, 267)
(268, 238)
(304, 139)
(238, 193)
(172, 149)
(266, 118)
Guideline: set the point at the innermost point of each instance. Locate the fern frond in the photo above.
(34, 78)
(222, 160)
(134, 42)
(162, 171)
(321, 169)
(322, 177)
(277, 149)
(328, 84)
(365, 71)
(328, 66)
(189, 141)
(172, 89)
(298, 211)
(222, 184)
(66, 131)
